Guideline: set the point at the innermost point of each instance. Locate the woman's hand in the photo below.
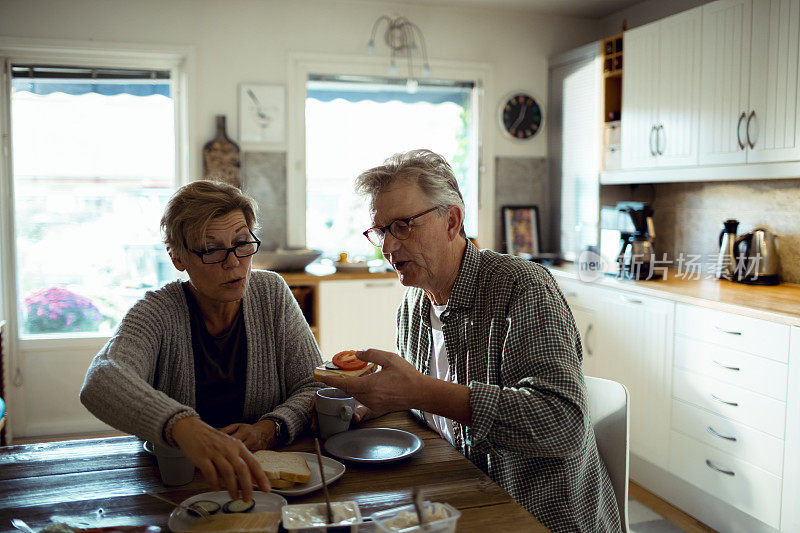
(258, 436)
(223, 460)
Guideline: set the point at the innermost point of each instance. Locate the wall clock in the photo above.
(520, 116)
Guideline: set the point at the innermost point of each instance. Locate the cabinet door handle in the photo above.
(712, 466)
(586, 339)
(652, 134)
(726, 367)
(377, 284)
(728, 331)
(720, 400)
(739, 130)
(711, 430)
(747, 129)
(659, 131)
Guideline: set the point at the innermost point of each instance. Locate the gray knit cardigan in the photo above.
(144, 375)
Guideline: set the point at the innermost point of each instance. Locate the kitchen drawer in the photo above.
(757, 374)
(746, 487)
(734, 438)
(751, 335)
(579, 293)
(756, 410)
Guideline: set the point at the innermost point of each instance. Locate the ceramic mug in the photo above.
(173, 465)
(334, 411)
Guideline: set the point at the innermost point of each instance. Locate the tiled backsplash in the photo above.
(689, 216)
(264, 178)
(522, 181)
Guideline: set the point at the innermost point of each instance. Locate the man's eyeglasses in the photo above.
(220, 255)
(400, 228)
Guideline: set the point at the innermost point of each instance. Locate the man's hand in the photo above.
(398, 386)
(258, 436)
(221, 459)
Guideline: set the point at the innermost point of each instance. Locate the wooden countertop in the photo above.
(102, 482)
(317, 272)
(778, 303)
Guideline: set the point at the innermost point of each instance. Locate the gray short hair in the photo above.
(428, 170)
(194, 205)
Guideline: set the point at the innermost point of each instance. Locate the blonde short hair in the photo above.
(194, 205)
(430, 171)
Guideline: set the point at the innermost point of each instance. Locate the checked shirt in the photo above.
(511, 338)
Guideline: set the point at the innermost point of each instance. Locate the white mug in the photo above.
(334, 411)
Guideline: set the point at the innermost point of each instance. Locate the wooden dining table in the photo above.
(104, 482)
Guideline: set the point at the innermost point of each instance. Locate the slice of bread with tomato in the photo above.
(346, 364)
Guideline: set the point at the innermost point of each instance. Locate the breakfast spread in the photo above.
(283, 469)
(440, 517)
(310, 515)
(346, 364)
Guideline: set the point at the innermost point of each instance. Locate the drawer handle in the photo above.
(711, 430)
(586, 339)
(712, 466)
(727, 331)
(570, 294)
(632, 300)
(377, 284)
(734, 404)
(726, 367)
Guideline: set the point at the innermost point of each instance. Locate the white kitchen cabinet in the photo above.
(639, 97)
(581, 300)
(749, 85)
(772, 128)
(356, 314)
(628, 338)
(660, 93)
(724, 81)
(634, 341)
(790, 513)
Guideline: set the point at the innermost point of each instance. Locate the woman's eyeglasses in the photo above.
(220, 255)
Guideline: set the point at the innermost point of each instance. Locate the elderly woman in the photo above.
(219, 365)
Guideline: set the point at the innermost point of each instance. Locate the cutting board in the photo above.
(221, 158)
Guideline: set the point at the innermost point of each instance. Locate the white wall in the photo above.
(249, 41)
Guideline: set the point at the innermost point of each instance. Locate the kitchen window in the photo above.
(93, 152)
(355, 122)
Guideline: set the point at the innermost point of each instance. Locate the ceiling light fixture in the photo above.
(401, 37)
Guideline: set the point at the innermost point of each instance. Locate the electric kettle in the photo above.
(757, 258)
(751, 258)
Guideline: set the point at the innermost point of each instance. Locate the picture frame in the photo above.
(262, 115)
(521, 233)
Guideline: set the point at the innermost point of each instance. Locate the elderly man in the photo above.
(489, 355)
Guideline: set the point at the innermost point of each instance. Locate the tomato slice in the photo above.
(347, 360)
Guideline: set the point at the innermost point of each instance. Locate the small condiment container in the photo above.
(440, 518)
(311, 517)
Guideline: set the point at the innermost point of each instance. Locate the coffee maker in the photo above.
(637, 256)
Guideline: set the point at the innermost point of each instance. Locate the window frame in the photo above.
(180, 61)
(301, 65)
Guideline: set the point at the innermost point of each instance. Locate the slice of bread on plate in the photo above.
(283, 466)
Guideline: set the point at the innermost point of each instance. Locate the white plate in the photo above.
(180, 521)
(351, 267)
(333, 471)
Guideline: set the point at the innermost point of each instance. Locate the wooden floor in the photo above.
(667, 510)
(637, 492)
